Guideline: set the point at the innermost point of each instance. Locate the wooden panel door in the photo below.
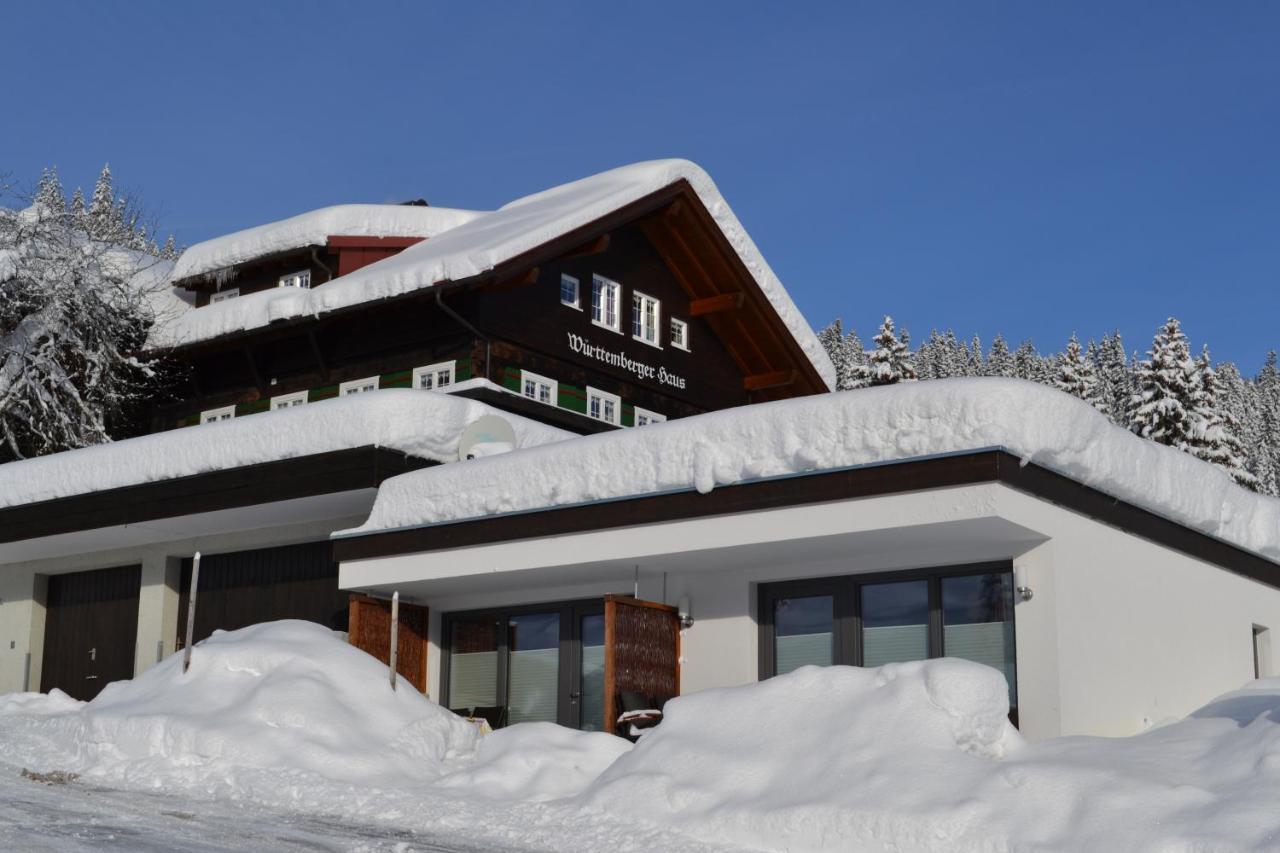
(370, 631)
(91, 630)
(641, 652)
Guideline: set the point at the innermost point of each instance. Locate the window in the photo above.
(296, 279)
(288, 401)
(433, 376)
(870, 620)
(1261, 652)
(679, 334)
(224, 295)
(538, 388)
(603, 406)
(569, 291)
(605, 296)
(522, 664)
(644, 417)
(358, 386)
(645, 313)
(211, 416)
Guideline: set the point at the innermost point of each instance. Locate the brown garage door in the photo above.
(91, 628)
(248, 587)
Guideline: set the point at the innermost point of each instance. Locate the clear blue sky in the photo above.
(983, 167)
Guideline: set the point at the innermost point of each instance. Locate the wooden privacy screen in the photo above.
(641, 652)
(370, 631)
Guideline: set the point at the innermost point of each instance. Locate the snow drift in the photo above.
(841, 430)
(425, 424)
(287, 696)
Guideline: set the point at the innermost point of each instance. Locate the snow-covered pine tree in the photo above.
(1076, 376)
(1266, 393)
(973, 361)
(105, 223)
(71, 314)
(49, 198)
(860, 371)
(77, 210)
(1162, 409)
(928, 356)
(891, 359)
(833, 340)
(1214, 435)
(169, 251)
(1027, 363)
(999, 360)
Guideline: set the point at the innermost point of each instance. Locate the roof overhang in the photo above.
(930, 473)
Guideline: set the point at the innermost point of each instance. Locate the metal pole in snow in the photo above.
(191, 611)
(395, 634)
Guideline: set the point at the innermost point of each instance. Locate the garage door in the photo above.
(91, 628)
(248, 587)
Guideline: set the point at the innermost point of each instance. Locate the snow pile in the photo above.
(418, 423)
(781, 761)
(845, 429)
(314, 228)
(536, 761)
(477, 246)
(284, 695)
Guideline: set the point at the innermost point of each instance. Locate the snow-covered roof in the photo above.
(841, 430)
(419, 423)
(482, 242)
(314, 229)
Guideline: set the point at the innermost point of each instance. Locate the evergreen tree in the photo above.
(49, 198)
(843, 357)
(1027, 363)
(1000, 360)
(1214, 431)
(1075, 375)
(1168, 384)
(77, 210)
(169, 252)
(974, 365)
(891, 359)
(1267, 415)
(105, 223)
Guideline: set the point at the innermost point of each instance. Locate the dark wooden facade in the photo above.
(511, 319)
(91, 630)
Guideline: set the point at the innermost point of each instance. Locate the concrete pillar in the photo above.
(22, 604)
(157, 611)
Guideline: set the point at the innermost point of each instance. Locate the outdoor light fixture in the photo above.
(1020, 585)
(686, 620)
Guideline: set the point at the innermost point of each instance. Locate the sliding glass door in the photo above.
(527, 664)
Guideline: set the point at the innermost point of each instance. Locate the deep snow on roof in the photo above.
(486, 240)
(418, 423)
(832, 431)
(313, 229)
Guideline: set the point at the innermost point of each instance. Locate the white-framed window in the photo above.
(212, 416)
(539, 388)
(604, 406)
(224, 295)
(645, 314)
(644, 417)
(288, 401)
(296, 279)
(358, 386)
(680, 334)
(569, 292)
(605, 298)
(433, 376)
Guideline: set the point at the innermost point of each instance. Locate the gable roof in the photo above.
(480, 244)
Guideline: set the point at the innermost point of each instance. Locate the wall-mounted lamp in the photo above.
(1020, 584)
(686, 620)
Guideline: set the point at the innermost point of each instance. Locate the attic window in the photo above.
(645, 313)
(680, 334)
(288, 401)
(212, 416)
(297, 279)
(569, 292)
(224, 295)
(644, 417)
(605, 296)
(358, 386)
(433, 376)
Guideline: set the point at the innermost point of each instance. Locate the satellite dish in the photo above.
(487, 435)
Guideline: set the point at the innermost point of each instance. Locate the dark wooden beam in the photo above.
(715, 304)
(514, 283)
(319, 355)
(253, 369)
(773, 379)
(595, 247)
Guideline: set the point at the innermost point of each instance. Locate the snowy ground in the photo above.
(283, 737)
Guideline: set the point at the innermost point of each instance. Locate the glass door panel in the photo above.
(977, 622)
(591, 690)
(533, 667)
(803, 632)
(473, 665)
(895, 622)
